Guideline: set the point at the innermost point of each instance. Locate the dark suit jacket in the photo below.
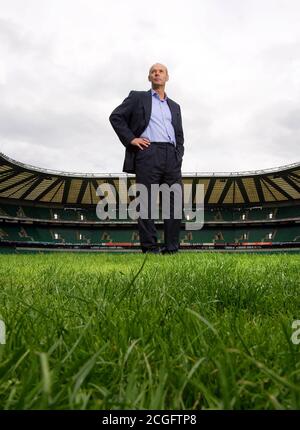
(131, 118)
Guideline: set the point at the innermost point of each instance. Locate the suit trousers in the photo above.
(159, 164)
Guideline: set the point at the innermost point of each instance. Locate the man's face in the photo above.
(158, 75)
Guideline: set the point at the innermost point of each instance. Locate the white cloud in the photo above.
(234, 68)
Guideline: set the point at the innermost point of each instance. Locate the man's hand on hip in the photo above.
(141, 142)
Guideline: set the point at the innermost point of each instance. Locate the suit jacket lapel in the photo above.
(173, 111)
(147, 102)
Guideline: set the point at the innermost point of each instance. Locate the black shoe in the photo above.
(168, 251)
(151, 251)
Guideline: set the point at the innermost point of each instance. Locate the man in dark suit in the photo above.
(149, 125)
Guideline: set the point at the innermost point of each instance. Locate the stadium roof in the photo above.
(24, 182)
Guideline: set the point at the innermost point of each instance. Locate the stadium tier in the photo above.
(49, 208)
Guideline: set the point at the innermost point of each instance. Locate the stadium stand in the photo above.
(41, 207)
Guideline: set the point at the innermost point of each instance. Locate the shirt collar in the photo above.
(154, 92)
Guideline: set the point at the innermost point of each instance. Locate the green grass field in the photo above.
(185, 331)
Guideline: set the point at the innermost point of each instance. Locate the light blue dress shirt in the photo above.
(160, 128)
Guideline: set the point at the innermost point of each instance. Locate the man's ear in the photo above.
(149, 78)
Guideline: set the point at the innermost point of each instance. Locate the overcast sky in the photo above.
(234, 68)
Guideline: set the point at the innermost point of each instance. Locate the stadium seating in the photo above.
(62, 231)
(210, 215)
(31, 233)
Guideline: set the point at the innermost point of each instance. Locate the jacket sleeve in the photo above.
(120, 119)
(180, 135)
